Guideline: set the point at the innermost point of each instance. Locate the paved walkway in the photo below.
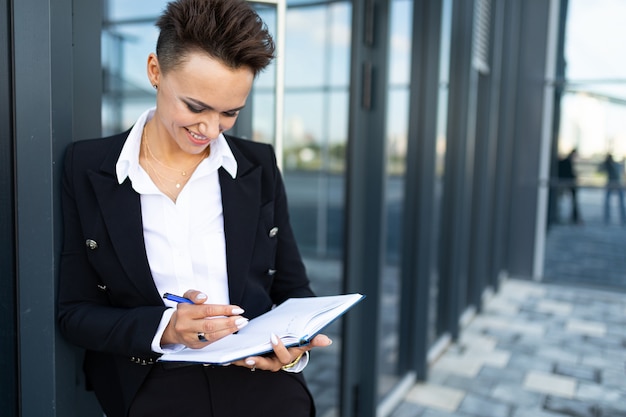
(593, 254)
(551, 349)
(537, 350)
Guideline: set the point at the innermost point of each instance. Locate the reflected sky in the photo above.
(594, 53)
(124, 9)
(594, 43)
(594, 108)
(594, 48)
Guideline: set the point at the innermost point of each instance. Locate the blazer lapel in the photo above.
(241, 199)
(121, 210)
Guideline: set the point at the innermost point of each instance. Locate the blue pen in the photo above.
(177, 298)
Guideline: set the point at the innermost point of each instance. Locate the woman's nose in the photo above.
(210, 126)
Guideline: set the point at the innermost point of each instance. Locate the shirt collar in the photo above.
(221, 148)
(127, 164)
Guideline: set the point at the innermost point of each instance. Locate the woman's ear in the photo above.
(154, 70)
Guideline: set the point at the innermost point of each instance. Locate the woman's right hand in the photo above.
(189, 321)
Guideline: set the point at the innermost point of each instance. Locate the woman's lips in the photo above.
(197, 138)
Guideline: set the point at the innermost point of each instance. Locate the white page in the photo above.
(286, 321)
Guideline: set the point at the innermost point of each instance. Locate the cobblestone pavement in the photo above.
(589, 254)
(550, 349)
(536, 350)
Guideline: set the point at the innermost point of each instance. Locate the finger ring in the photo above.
(201, 337)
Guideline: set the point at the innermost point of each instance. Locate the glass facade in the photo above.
(313, 149)
(435, 331)
(315, 122)
(317, 68)
(128, 37)
(310, 110)
(262, 107)
(583, 246)
(594, 99)
(397, 123)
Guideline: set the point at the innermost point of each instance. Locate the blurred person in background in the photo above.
(568, 183)
(613, 170)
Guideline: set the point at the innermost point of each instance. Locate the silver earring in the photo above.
(156, 87)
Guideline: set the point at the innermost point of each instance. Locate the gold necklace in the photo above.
(160, 184)
(179, 183)
(157, 178)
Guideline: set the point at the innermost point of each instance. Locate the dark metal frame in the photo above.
(39, 53)
(458, 181)
(48, 108)
(506, 125)
(8, 304)
(417, 255)
(481, 276)
(493, 262)
(526, 133)
(365, 205)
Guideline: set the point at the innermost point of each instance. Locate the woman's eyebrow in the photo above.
(206, 106)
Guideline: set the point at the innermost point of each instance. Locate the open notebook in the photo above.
(295, 322)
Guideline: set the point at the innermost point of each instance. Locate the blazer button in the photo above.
(273, 231)
(91, 244)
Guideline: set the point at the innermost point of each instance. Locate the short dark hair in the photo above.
(228, 30)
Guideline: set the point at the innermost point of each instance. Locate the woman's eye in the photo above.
(231, 113)
(194, 109)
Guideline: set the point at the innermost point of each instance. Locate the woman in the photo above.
(175, 206)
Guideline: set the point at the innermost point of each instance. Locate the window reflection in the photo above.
(128, 36)
(397, 125)
(262, 100)
(316, 122)
(434, 331)
(317, 69)
(590, 121)
(123, 10)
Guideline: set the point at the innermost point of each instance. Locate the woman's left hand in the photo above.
(282, 356)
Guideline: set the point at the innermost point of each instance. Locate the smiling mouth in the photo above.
(197, 136)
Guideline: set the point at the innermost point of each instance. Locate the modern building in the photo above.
(416, 138)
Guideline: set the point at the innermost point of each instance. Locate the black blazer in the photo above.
(108, 303)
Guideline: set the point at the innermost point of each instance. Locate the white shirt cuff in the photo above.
(156, 341)
(302, 363)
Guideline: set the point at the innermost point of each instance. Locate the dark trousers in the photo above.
(232, 391)
(575, 214)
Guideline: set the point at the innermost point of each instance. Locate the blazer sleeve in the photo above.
(86, 314)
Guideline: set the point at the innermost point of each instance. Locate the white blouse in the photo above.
(185, 240)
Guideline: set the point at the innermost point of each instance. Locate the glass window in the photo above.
(262, 100)
(293, 3)
(594, 104)
(317, 73)
(397, 125)
(434, 332)
(120, 10)
(129, 35)
(588, 213)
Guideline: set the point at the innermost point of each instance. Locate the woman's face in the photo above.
(196, 101)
